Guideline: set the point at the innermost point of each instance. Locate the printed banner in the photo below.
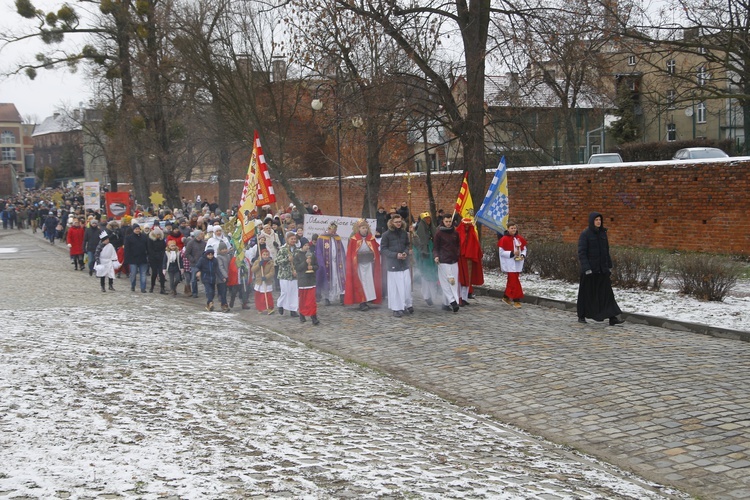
(118, 204)
(317, 224)
(91, 199)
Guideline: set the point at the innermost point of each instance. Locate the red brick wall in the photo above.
(663, 205)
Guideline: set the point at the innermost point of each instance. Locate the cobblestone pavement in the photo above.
(108, 395)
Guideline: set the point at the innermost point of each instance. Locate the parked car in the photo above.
(699, 154)
(605, 158)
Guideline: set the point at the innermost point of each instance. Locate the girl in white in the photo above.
(106, 261)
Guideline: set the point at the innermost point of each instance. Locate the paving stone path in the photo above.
(125, 394)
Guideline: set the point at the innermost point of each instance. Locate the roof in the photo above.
(9, 113)
(56, 124)
(512, 91)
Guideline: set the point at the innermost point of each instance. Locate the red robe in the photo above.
(471, 252)
(75, 239)
(353, 292)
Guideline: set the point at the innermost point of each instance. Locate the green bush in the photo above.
(706, 277)
(637, 268)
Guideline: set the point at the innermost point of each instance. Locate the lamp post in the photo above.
(317, 105)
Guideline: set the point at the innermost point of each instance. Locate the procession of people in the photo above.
(190, 249)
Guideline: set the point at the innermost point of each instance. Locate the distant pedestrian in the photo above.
(596, 300)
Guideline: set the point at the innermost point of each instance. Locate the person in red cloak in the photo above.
(75, 239)
(363, 282)
(470, 271)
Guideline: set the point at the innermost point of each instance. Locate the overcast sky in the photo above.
(51, 90)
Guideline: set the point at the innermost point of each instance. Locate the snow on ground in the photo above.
(224, 410)
(733, 313)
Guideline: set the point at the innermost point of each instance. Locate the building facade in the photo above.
(16, 146)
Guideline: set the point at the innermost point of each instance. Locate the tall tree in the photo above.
(352, 57)
(408, 23)
(559, 57)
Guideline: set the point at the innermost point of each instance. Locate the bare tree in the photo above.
(416, 28)
(364, 68)
(559, 58)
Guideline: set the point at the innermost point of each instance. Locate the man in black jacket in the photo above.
(136, 256)
(394, 246)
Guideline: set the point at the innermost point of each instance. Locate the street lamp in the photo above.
(317, 105)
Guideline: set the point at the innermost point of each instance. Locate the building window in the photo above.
(8, 137)
(671, 98)
(701, 112)
(631, 60)
(671, 132)
(671, 66)
(702, 76)
(9, 154)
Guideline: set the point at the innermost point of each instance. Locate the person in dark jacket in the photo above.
(206, 270)
(90, 242)
(50, 227)
(395, 248)
(446, 251)
(136, 256)
(596, 300)
(157, 247)
(194, 249)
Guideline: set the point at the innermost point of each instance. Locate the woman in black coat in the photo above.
(596, 300)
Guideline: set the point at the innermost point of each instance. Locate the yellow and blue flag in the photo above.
(495, 210)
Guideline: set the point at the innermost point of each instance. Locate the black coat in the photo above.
(136, 249)
(395, 241)
(593, 248)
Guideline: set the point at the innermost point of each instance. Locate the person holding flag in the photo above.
(256, 192)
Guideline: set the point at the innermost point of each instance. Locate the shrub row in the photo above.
(706, 277)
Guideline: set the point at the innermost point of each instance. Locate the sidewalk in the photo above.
(672, 407)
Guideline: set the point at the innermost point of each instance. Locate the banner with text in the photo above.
(317, 224)
(91, 198)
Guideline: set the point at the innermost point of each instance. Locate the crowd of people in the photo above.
(188, 246)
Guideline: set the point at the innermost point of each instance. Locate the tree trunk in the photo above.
(474, 34)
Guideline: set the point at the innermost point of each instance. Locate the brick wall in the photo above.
(661, 205)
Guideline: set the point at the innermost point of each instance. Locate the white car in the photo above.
(605, 158)
(699, 154)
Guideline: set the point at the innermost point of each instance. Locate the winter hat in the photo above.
(103, 235)
(222, 246)
(209, 250)
(135, 225)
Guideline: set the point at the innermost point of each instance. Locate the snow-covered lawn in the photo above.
(733, 313)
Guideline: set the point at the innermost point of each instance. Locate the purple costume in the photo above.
(332, 266)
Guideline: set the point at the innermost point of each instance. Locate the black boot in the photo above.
(455, 306)
(162, 291)
(293, 314)
(302, 318)
(281, 311)
(103, 289)
(152, 289)
(111, 287)
(314, 319)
